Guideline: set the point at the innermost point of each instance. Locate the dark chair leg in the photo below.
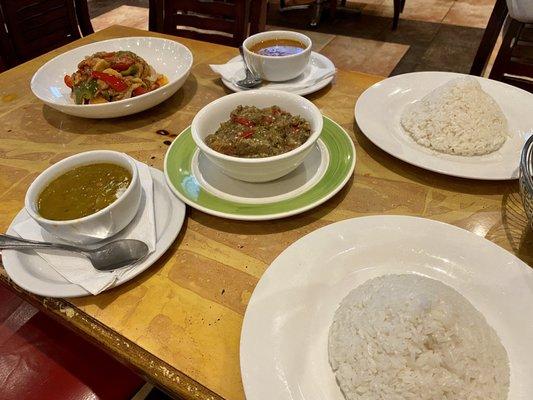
(332, 8)
(402, 6)
(258, 14)
(156, 16)
(317, 13)
(494, 26)
(397, 10)
(504, 54)
(82, 12)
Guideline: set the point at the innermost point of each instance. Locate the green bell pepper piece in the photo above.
(85, 91)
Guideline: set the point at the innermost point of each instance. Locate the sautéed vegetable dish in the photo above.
(111, 76)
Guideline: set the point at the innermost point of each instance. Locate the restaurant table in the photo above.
(179, 323)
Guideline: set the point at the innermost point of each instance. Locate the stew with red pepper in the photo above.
(252, 132)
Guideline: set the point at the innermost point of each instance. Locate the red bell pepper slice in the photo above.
(247, 133)
(68, 81)
(138, 91)
(116, 83)
(122, 66)
(243, 121)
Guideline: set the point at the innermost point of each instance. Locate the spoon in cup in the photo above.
(251, 80)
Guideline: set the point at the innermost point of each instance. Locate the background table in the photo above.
(179, 323)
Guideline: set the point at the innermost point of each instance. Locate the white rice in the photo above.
(407, 337)
(457, 118)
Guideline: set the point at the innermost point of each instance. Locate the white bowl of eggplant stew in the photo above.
(258, 135)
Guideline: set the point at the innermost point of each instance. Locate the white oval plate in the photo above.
(292, 86)
(379, 108)
(283, 350)
(166, 56)
(32, 273)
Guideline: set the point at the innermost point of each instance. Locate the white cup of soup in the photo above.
(277, 55)
(87, 197)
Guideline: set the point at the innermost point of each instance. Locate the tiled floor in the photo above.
(433, 34)
(132, 16)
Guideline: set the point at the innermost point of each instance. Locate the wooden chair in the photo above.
(33, 27)
(514, 61)
(318, 6)
(490, 36)
(217, 21)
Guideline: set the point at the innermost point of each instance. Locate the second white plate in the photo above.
(379, 108)
(284, 352)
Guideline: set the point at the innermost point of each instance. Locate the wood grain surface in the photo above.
(179, 323)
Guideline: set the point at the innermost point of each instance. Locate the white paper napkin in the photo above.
(234, 71)
(79, 270)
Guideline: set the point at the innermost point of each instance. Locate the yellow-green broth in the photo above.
(83, 191)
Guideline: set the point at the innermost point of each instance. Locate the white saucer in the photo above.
(32, 273)
(316, 59)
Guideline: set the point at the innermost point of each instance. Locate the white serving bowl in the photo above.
(208, 120)
(277, 68)
(98, 226)
(166, 56)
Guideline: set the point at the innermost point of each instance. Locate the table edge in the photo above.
(145, 364)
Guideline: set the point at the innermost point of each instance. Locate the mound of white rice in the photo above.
(407, 337)
(457, 118)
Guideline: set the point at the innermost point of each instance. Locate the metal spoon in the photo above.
(112, 255)
(251, 79)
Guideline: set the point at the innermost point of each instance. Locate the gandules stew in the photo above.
(83, 191)
(252, 133)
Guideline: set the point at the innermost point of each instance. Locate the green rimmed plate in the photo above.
(201, 185)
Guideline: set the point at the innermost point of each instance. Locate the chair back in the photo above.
(514, 62)
(216, 21)
(34, 27)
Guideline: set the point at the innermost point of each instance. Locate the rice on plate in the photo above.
(457, 118)
(408, 337)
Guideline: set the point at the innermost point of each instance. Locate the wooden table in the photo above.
(179, 323)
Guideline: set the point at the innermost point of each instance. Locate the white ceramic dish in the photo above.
(379, 108)
(209, 118)
(166, 56)
(100, 225)
(283, 348)
(277, 68)
(302, 84)
(32, 273)
(200, 184)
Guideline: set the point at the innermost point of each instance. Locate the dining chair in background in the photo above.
(30, 28)
(514, 61)
(216, 21)
(334, 6)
